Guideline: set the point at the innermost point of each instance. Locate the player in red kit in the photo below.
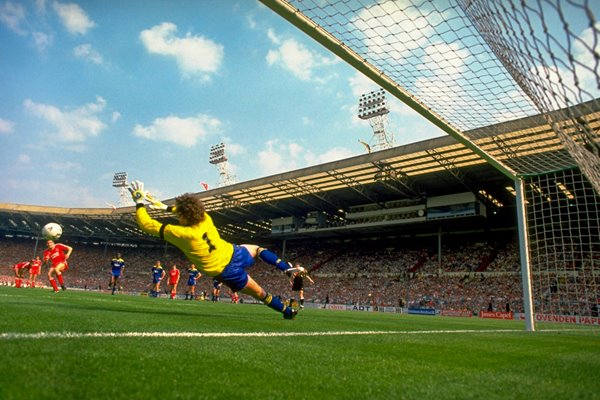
(19, 270)
(57, 254)
(173, 280)
(34, 271)
(235, 297)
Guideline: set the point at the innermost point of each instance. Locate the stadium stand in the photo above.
(363, 272)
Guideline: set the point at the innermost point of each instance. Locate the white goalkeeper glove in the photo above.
(155, 203)
(138, 194)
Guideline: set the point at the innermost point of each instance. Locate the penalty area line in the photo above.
(84, 335)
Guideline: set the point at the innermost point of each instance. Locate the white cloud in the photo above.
(584, 51)
(13, 16)
(273, 37)
(195, 55)
(181, 131)
(40, 6)
(41, 40)
(24, 159)
(251, 21)
(280, 156)
(71, 126)
(410, 32)
(64, 166)
(334, 154)
(270, 160)
(88, 53)
(562, 84)
(360, 84)
(445, 59)
(235, 149)
(73, 18)
(32, 186)
(115, 116)
(63, 192)
(295, 58)
(6, 126)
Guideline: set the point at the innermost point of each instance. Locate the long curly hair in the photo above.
(190, 208)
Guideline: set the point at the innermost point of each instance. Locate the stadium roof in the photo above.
(243, 212)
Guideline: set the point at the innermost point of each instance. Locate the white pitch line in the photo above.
(82, 335)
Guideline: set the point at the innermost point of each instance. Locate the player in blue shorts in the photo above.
(216, 293)
(158, 273)
(117, 265)
(197, 237)
(193, 276)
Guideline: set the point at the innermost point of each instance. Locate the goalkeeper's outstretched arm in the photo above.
(157, 204)
(145, 223)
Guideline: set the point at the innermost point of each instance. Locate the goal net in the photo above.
(483, 71)
(564, 243)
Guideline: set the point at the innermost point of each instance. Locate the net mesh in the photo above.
(564, 243)
(485, 65)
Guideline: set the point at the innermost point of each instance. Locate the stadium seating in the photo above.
(364, 272)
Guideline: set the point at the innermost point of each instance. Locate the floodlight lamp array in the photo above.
(120, 179)
(372, 104)
(217, 154)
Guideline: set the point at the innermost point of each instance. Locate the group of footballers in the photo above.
(56, 255)
(197, 237)
(34, 267)
(158, 274)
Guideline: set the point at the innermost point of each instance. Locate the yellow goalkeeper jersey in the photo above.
(201, 243)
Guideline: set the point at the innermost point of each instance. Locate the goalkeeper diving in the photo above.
(197, 237)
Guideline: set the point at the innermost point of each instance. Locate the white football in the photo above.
(51, 231)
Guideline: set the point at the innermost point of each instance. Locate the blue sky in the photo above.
(91, 88)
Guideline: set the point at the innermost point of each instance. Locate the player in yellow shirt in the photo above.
(197, 237)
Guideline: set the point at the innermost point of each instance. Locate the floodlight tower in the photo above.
(218, 158)
(373, 107)
(120, 182)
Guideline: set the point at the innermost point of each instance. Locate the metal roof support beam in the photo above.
(312, 190)
(395, 175)
(508, 150)
(451, 168)
(288, 188)
(266, 200)
(354, 185)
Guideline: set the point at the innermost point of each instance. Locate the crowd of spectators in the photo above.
(466, 275)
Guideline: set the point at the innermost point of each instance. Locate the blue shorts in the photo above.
(156, 280)
(191, 282)
(234, 275)
(116, 273)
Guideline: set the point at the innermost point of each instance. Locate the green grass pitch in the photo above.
(84, 345)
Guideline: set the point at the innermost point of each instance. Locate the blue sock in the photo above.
(271, 258)
(275, 304)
